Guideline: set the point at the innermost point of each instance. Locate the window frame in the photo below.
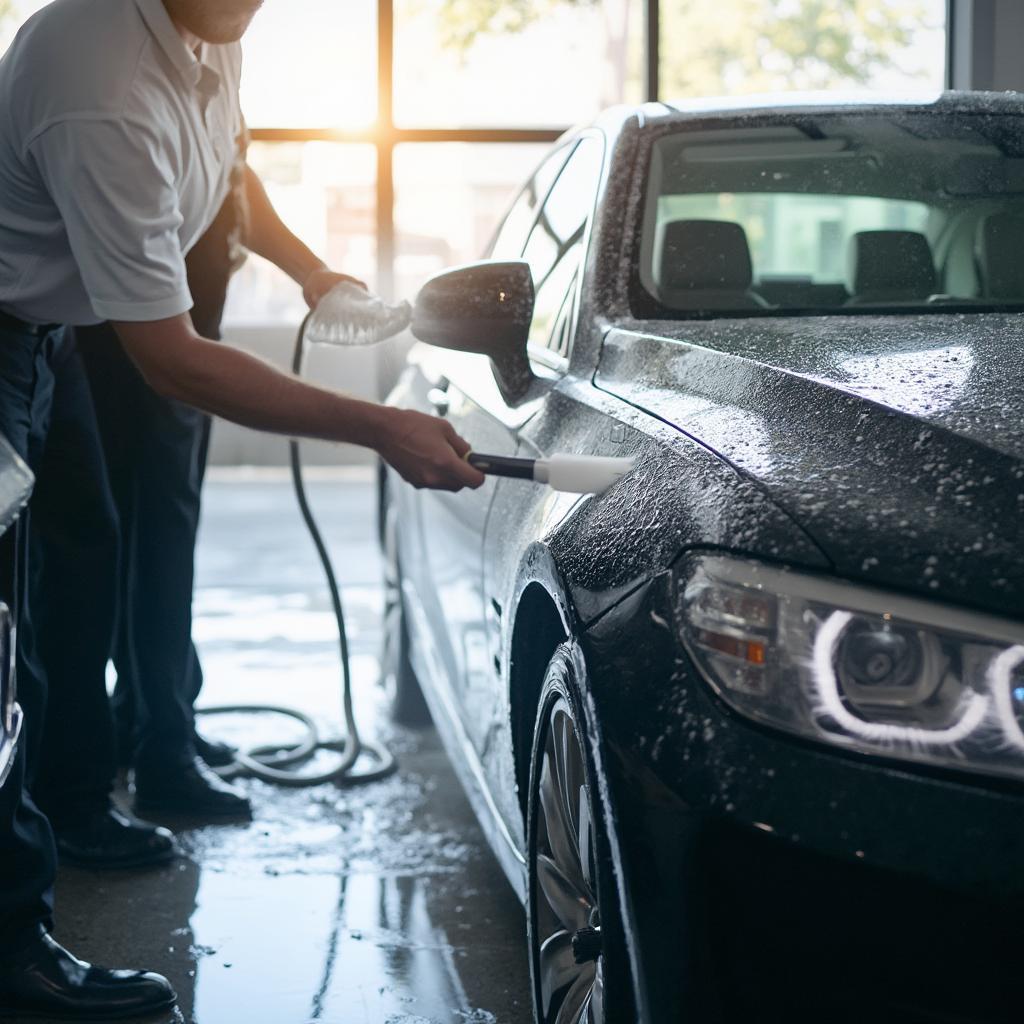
(385, 135)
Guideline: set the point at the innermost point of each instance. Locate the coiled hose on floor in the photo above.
(281, 763)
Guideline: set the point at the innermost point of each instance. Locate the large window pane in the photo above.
(307, 63)
(311, 63)
(325, 193)
(736, 47)
(524, 62)
(449, 198)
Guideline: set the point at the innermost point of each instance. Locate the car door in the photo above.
(455, 525)
(451, 526)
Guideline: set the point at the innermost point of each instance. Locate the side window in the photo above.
(565, 212)
(555, 247)
(553, 296)
(561, 333)
(508, 244)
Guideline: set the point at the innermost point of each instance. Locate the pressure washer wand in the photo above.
(576, 474)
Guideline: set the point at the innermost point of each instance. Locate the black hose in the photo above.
(278, 762)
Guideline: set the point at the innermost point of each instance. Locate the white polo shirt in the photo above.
(116, 145)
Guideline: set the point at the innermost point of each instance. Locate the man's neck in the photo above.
(191, 40)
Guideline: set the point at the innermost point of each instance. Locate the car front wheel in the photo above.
(578, 959)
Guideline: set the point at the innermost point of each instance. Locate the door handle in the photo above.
(439, 399)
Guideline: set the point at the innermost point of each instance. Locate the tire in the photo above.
(579, 964)
(408, 706)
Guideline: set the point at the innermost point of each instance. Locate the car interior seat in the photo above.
(997, 254)
(705, 264)
(889, 266)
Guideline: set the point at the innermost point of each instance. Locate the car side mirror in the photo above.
(484, 308)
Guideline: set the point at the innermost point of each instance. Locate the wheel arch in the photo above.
(541, 620)
(543, 617)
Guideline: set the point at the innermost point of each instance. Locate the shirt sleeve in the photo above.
(115, 193)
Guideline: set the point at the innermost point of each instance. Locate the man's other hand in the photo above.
(427, 452)
(321, 281)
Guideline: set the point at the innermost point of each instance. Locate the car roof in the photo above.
(664, 113)
(948, 102)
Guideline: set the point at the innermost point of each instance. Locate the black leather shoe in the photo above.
(193, 790)
(215, 754)
(110, 839)
(42, 979)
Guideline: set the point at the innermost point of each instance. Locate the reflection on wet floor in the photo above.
(378, 904)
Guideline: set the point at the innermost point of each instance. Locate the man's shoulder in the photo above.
(75, 58)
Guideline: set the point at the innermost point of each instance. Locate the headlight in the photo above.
(871, 671)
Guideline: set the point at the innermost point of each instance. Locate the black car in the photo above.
(747, 730)
(15, 487)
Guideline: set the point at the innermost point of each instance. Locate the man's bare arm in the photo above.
(180, 364)
(270, 237)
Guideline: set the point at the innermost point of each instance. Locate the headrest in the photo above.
(890, 264)
(704, 255)
(997, 249)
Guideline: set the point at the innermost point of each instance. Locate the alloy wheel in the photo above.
(567, 933)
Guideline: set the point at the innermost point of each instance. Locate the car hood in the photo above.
(895, 442)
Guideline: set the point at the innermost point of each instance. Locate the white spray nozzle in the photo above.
(350, 315)
(577, 474)
(581, 474)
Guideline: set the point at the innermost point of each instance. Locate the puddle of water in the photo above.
(357, 906)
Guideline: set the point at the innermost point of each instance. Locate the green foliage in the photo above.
(461, 21)
(726, 46)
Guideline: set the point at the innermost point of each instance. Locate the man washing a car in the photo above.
(118, 121)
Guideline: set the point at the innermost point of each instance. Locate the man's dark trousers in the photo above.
(74, 541)
(156, 455)
(27, 852)
(153, 448)
(83, 491)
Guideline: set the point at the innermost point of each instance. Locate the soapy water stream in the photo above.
(350, 315)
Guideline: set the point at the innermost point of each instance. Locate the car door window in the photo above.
(555, 250)
(508, 243)
(554, 294)
(561, 334)
(564, 214)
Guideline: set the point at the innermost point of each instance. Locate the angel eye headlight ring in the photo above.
(857, 667)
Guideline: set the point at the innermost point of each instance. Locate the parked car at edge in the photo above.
(746, 731)
(15, 486)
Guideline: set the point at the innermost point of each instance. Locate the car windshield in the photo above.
(838, 213)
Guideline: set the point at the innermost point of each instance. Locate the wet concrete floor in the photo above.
(376, 904)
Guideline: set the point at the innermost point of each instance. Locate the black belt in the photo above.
(16, 323)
